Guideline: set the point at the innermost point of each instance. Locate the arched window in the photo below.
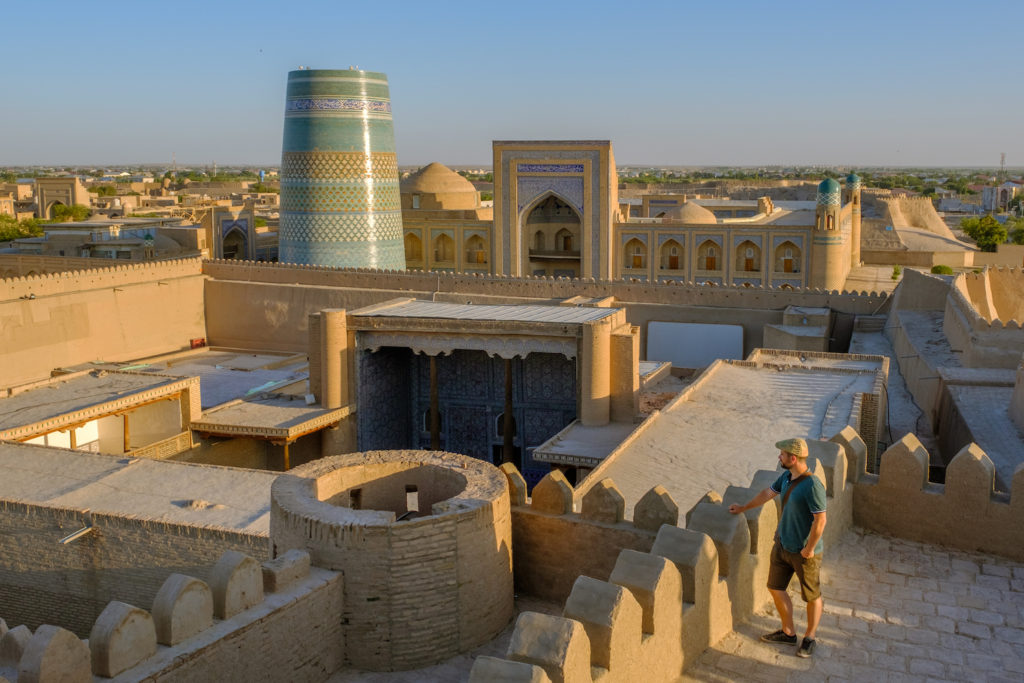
(707, 256)
(444, 249)
(748, 257)
(563, 240)
(413, 247)
(830, 222)
(787, 258)
(671, 255)
(476, 250)
(635, 254)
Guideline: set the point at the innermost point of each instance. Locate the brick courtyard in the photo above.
(894, 611)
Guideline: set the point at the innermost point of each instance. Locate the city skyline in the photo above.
(807, 84)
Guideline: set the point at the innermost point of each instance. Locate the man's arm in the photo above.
(817, 529)
(756, 501)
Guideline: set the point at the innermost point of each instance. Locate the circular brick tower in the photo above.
(339, 176)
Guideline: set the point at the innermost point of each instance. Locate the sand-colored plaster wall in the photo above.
(542, 287)
(123, 558)
(549, 551)
(964, 513)
(294, 636)
(122, 313)
(274, 316)
(660, 609)
(416, 591)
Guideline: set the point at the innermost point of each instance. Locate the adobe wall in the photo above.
(972, 321)
(550, 549)
(543, 287)
(248, 622)
(921, 292)
(21, 265)
(964, 513)
(266, 306)
(123, 558)
(417, 591)
(1011, 255)
(660, 609)
(917, 259)
(113, 314)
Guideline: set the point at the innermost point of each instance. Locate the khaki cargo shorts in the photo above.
(784, 564)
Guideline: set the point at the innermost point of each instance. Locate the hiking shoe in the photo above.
(806, 648)
(780, 637)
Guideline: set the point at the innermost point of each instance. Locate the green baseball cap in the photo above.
(797, 447)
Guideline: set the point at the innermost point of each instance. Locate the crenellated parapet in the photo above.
(966, 512)
(650, 612)
(539, 286)
(105, 276)
(238, 621)
(984, 317)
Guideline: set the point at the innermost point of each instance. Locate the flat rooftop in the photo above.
(226, 375)
(276, 416)
(413, 308)
(581, 445)
(984, 411)
(181, 493)
(724, 427)
(62, 396)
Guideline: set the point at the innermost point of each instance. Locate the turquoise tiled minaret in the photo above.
(339, 175)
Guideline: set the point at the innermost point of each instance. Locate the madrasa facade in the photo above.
(557, 213)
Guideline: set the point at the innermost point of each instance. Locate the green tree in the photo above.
(1015, 228)
(986, 231)
(104, 190)
(62, 213)
(11, 229)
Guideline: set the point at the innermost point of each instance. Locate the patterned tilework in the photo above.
(333, 165)
(341, 198)
(569, 189)
(829, 197)
(335, 104)
(347, 240)
(550, 168)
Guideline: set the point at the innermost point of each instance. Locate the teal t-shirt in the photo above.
(807, 499)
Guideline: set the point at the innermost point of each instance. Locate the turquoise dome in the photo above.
(828, 192)
(853, 180)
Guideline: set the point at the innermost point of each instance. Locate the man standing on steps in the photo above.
(798, 545)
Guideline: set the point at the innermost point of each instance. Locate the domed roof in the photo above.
(690, 212)
(853, 179)
(828, 192)
(436, 178)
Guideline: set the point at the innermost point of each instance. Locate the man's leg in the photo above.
(784, 606)
(814, 610)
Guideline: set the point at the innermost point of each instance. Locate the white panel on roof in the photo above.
(693, 345)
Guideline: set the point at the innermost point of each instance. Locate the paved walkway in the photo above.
(894, 611)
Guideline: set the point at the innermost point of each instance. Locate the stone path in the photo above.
(894, 611)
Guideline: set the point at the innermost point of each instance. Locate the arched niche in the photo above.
(788, 258)
(413, 247)
(748, 257)
(672, 255)
(709, 256)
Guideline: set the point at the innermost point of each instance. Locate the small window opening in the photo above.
(412, 498)
(356, 499)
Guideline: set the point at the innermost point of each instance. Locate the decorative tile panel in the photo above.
(532, 188)
(335, 104)
(550, 168)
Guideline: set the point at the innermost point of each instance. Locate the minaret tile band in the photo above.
(340, 203)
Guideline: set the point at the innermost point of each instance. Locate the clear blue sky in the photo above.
(681, 83)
